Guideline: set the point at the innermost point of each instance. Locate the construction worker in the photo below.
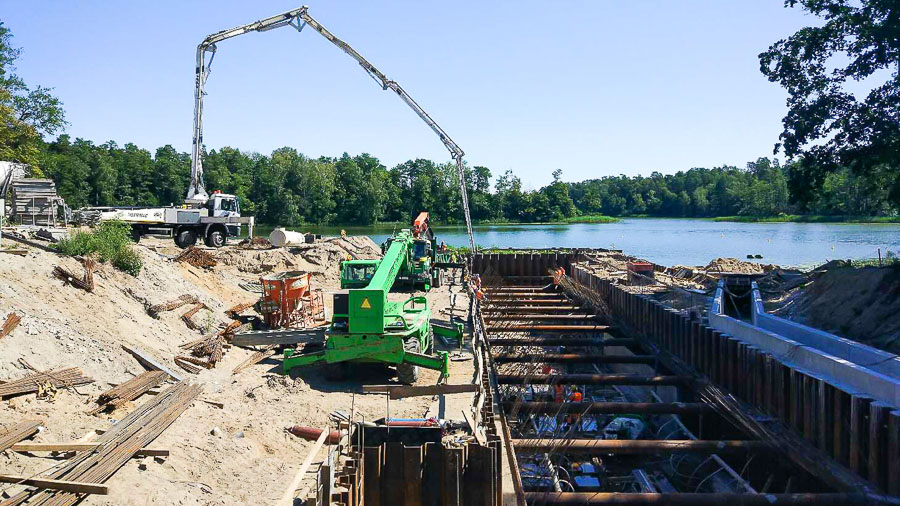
(559, 393)
(576, 395)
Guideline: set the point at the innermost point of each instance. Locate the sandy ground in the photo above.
(252, 459)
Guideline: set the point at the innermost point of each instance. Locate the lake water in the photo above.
(683, 241)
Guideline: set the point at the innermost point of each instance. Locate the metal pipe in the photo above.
(513, 317)
(692, 499)
(610, 408)
(591, 379)
(640, 447)
(576, 358)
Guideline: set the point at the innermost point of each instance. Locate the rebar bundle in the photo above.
(69, 377)
(12, 321)
(187, 317)
(86, 282)
(129, 390)
(196, 257)
(18, 432)
(236, 310)
(255, 358)
(116, 446)
(185, 299)
(181, 362)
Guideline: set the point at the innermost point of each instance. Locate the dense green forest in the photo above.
(289, 188)
(844, 152)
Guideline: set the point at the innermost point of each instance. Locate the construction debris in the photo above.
(61, 378)
(256, 242)
(149, 362)
(186, 365)
(131, 434)
(19, 432)
(12, 321)
(196, 257)
(187, 316)
(115, 397)
(235, 311)
(256, 358)
(86, 283)
(75, 487)
(185, 299)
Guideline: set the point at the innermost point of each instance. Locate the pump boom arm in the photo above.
(299, 18)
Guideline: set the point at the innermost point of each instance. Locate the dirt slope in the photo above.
(252, 459)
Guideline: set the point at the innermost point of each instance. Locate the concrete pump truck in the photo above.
(366, 326)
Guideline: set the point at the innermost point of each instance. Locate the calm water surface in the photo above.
(682, 241)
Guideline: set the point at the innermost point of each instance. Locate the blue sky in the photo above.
(594, 87)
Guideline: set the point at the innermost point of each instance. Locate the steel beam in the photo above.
(575, 358)
(591, 379)
(547, 328)
(610, 408)
(561, 341)
(695, 499)
(503, 316)
(640, 447)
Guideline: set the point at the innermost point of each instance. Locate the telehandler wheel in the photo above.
(185, 238)
(430, 349)
(408, 373)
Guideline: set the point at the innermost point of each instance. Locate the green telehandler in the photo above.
(367, 327)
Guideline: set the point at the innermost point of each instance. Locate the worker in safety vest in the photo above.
(576, 395)
(559, 393)
(558, 275)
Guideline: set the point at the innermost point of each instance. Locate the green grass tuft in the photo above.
(110, 242)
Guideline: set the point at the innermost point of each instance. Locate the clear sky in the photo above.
(594, 87)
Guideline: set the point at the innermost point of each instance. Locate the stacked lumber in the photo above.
(18, 432)
(60, 378)
(35, 201)
(128, 391)
(12, 321)
(196, 257)
(183, 300)
(133, 433)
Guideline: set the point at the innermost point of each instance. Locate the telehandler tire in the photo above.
(408, 373)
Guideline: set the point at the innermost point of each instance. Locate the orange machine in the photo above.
(420, 224)
(288, 301)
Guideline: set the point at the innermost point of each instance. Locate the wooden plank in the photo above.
(150, 362)
(288, 498)
(78, 487)
(79, 447)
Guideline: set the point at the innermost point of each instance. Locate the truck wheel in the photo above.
(186, 238)
(215, 239)
(408, 373)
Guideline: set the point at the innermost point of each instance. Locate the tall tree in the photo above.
(826, 122)
(26, 114)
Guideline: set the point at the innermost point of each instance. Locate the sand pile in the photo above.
(63, 326)
(862, 304)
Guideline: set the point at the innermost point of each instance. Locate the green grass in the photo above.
(809, 218)
(110, 242)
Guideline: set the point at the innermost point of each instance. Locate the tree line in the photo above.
(289, 188)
